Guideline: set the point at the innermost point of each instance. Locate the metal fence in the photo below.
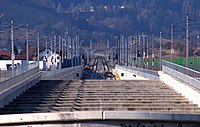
(184, 70)
(6, 75)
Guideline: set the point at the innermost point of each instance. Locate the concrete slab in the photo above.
(128, 115)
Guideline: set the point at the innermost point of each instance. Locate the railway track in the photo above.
(100, 68)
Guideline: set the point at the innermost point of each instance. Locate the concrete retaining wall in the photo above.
(132, 73)
(187, 79)
(78, 116)
(63, 74)
(13, 87)
(181, 87)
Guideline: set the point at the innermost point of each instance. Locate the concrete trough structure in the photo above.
(96, 118)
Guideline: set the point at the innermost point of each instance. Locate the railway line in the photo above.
(99, 69)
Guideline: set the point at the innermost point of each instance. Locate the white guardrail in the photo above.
(12, 77)
(187, 75)
(14, 82)
(149, 74)
(65, 73)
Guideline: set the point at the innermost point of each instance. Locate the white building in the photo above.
(51, 59)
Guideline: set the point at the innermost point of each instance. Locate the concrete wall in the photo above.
(126, 75)
(131, 73)
(187, 79)
(63, 74)
(95, 118)
(183, 84)
(13, 87)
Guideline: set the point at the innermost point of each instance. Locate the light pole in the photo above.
(198, 43)
(12, 45)
(59, 52)
(160, 50)
(38, 46)
(139, 51)
(136, 50)
(187, 40)
(147, 59)
(172, 37)
(153, 51)
(62, 40)
(27, 50)
(144, 50)
(46, 52)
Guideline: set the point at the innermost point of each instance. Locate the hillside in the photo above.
(98, 20)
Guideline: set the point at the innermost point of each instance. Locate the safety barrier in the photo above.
(17, 75)
(149, 74)
(118, 118)
(16, 81)
(187, 75)
(66, 73)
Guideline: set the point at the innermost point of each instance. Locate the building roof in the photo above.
(4, 53)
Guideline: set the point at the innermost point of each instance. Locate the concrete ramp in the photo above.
(93, 103)
(101, 95)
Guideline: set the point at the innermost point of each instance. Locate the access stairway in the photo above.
(100, 95)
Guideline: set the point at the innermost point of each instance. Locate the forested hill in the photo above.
(101, 18)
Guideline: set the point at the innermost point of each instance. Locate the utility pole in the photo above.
(153, 56)
(27, 49)
(144, 52)
(81, 52)
(51, 41)
(107, 50)
(59, 52)
(38, 47)
(136, 50)
(90, 54)
(75, 46)
(12, 45)
(172, 37)
(121, 50)
(139, 51)
(46, 53)
(117, 50)
(119, 54)
(55, 44)
(55, 52)
(147, 59)
(78, 50)
(187, 39)
(62, 45)
(160, 50)
(127, 52)
(66, 47)
(72, 51)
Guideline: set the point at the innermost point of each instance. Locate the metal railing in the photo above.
(184, 70)
(6, 75)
